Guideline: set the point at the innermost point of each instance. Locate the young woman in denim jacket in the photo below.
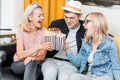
(98, 57)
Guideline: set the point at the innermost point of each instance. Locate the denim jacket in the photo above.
(105, 59)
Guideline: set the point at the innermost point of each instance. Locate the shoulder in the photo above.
(109, 39)
(81, 21)
(81, 30)
(58, 21)
(19, 31)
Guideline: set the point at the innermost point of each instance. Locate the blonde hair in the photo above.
(25, 22)
(100, 25)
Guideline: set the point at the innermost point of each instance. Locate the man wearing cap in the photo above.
(71, 25)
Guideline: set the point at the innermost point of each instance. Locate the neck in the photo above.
(76, 26)
(33, 28)
(95, 45)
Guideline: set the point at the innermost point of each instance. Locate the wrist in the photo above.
(67, 50)
(39, 46)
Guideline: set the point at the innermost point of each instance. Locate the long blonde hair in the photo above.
(100, 24)
(25, 22)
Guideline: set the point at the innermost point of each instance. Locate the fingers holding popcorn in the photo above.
(48, 46)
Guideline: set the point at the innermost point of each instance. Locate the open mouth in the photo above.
(86, 30)
(39, 21)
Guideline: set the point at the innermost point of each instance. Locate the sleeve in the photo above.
(76, 59)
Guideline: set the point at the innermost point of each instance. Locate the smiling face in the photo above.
(36, 18)
(72, 19)
(89, 26)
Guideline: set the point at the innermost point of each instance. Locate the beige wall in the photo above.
(0, 12)
(112, 15)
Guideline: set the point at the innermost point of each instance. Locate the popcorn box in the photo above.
(57, 38)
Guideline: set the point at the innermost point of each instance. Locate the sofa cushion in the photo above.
(10, 49)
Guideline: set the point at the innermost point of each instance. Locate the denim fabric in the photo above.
(31, 71)
(105, 59)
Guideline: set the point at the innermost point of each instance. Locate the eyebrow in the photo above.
(89, 20)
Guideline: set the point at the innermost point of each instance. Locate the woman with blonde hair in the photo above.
(98, 57)
(31, 48)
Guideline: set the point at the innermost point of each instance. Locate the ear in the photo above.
(80, 15)
(30, 17)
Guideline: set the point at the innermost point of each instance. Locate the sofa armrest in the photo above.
(9, 49)
(2, 56)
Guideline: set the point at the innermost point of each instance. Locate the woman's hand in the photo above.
(28, 59)
(48, 46)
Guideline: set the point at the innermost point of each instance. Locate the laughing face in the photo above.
(89, 26)
(37, 18)
(71, 19)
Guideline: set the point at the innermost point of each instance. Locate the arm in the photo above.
(25, 53)
(22, 54)
(81, 57)
(36, 58)
(42, 55)
(74, 58)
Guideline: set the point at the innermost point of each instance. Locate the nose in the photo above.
(42, 17)
(84, 24)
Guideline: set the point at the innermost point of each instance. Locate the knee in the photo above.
(63, 76)
(32, 63)
(65, 73)
(48, 67)
(49, 73)
(72, 77)
(75, 77)
(49, 70)
(17, 69)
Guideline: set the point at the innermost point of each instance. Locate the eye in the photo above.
(87, 21)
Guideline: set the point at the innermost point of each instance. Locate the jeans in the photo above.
(53, 69)
(79, 76)
(30, 71)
